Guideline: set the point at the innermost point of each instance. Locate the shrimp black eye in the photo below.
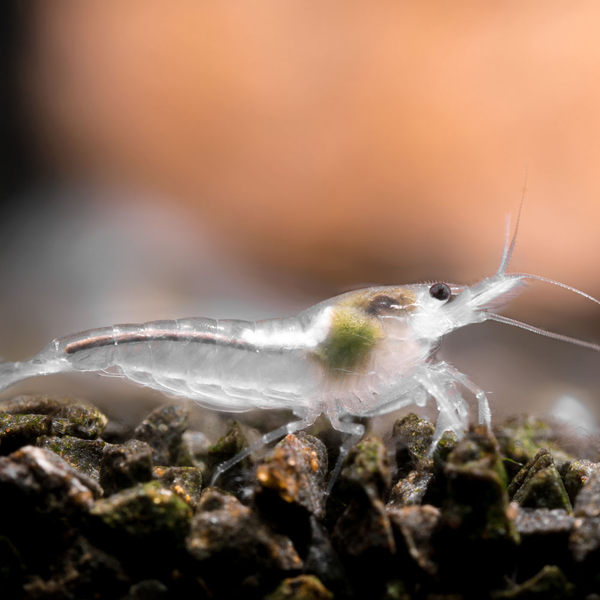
(440, 291)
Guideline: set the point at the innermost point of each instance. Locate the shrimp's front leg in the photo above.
(452, 373)
(452, 407)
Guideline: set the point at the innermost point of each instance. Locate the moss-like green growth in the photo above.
(20, 430)
(522, 437)
(227, 446)
(477, 497)
(539, 485)
(413, 436)
(352, 335)
(84, 455)
(147, 511)
(367, 466)
(68, 416)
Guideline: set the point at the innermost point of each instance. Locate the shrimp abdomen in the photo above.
(213, 362)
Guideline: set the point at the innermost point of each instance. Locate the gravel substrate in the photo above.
(89, 509)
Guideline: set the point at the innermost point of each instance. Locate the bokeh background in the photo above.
(248, 159)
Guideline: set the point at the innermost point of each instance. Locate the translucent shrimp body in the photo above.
(346, 354)
(367, 353)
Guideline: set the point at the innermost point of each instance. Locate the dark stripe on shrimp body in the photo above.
(99, 341)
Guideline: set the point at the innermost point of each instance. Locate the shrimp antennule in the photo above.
(550, 334)
(509, 247)
(558, 283)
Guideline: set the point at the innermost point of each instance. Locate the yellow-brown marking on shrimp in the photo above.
(355, 328)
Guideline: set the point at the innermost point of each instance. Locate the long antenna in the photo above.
(558, 283)
(507, 252)
(550, 334)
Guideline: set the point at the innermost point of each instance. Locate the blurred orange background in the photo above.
(249, 159)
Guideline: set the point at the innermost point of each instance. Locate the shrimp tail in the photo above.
(13, 372)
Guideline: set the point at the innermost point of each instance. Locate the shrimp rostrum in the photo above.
(363, 353)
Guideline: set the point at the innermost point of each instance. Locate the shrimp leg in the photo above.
(356, 431)
(452, 407)
(485, 414)
(414, 395)
(263, 441)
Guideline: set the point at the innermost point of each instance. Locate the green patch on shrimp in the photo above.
(352, 335)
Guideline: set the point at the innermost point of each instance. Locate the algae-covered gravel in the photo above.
(496, 515)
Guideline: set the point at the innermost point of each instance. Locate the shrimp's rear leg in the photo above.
(356, 431)
(263, 441)
(485, 414)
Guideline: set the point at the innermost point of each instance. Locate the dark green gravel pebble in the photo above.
(291, 478)
(21, 430)
(162, 430)
(240, 478)
(117, 432)
(413, 528)
(411, 490)
(575, 474)
(412, 436)
(68, 416)
(83, 571)
(39, 477)
(83, 455)
(539, 485)
(362, 534)
(125, 465)
(544, 539)
(588, 500)
(145, 513)
(584, 541)
(228, 537)
(475, 470)
(228, 446)
(143, 542)
(476, 517)
(364, 529)
(367, 468)
(194, 450)
(543, 522)
(521, 437)
(186, 482)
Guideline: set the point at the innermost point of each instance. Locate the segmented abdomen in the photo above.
(230, 365)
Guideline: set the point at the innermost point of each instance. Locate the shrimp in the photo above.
(364, 353)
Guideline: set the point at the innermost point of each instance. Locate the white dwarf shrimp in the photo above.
(363, 353)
